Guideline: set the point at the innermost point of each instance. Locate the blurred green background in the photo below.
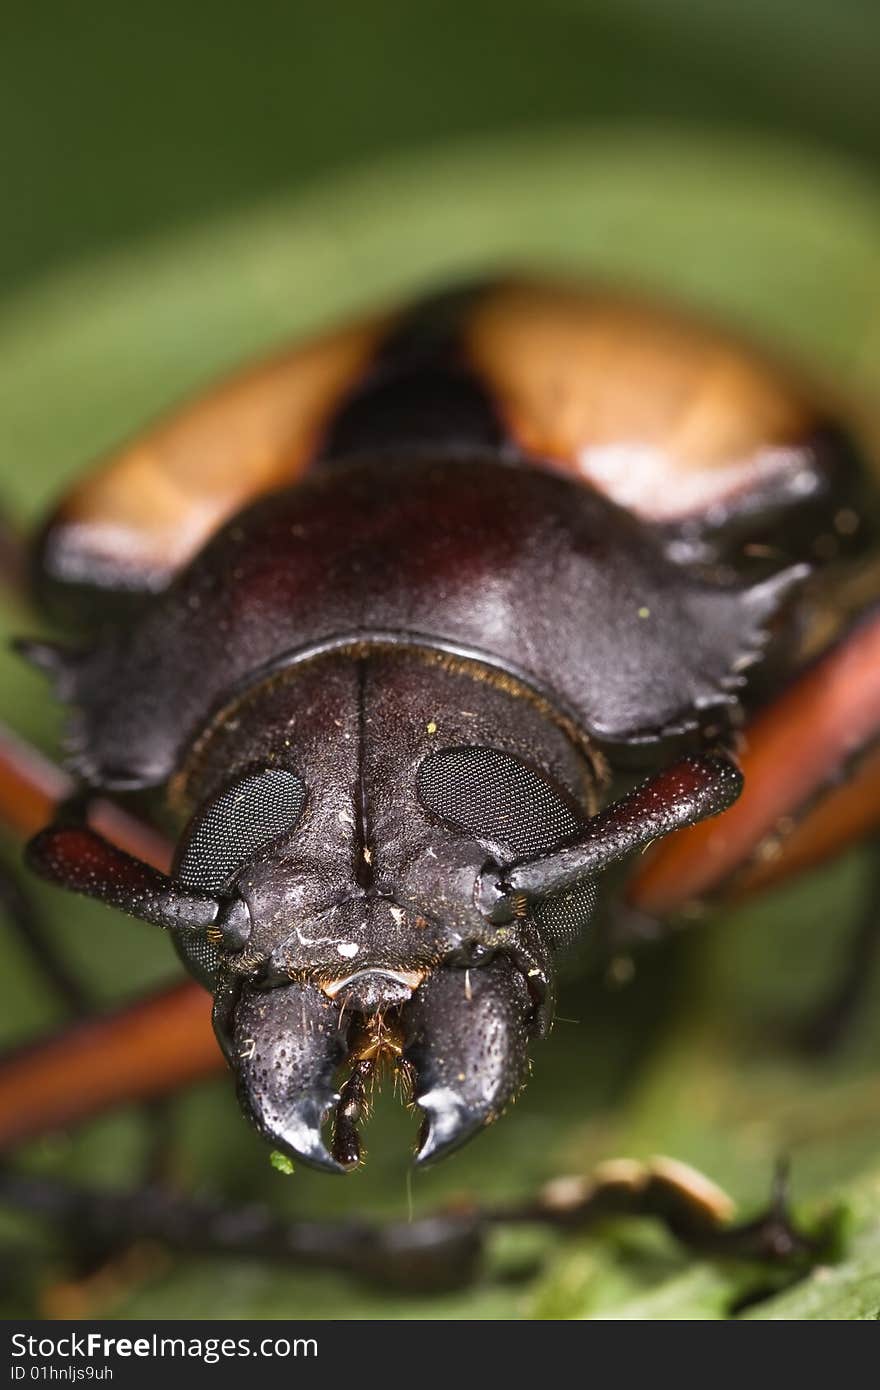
(189, 185)
(119, 122)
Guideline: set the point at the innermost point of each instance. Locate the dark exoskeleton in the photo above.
(420, 631)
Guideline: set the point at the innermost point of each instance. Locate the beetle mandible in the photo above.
(422, 628)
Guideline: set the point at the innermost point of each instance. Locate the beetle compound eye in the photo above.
(496, 799)
(229, 831)
(560, 917)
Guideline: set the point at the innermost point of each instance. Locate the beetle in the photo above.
(421, 632)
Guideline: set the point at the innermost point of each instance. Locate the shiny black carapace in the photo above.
(421, 628)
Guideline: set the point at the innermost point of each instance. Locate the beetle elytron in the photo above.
(420, 629)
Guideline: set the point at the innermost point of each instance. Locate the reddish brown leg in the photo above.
(811, 767)
(795, 809)
(136, 1054)
(32, 788)
(142, 1051)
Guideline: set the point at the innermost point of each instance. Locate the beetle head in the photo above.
(451, 974)
(351, 935)
(355, 900)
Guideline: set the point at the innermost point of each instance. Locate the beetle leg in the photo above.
(144, 1050)
(841, 817)
(811, 765)
(435, 1252)
(32, 789)
(795, 809)
(695, 1211)
(74, 998)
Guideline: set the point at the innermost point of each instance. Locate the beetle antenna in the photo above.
(74, 856)
(686, 792)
